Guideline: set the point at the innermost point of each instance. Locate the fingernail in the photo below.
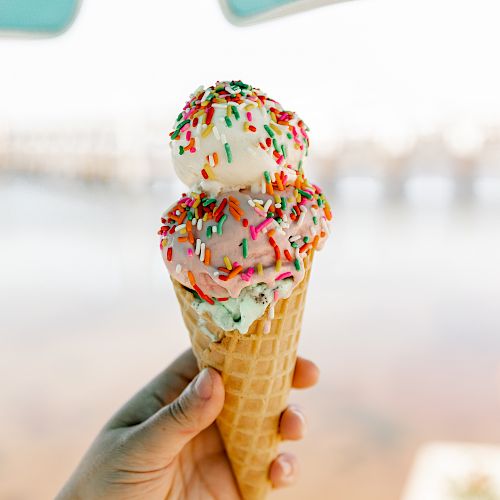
(203, 385)
(286, 468)
(299, 413)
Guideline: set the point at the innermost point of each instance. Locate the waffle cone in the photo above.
(257, 371)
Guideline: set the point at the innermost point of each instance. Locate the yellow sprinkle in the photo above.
(183, 231)
(297, 195)
(277, 199)
(260, 270)
(205, 217)
(248, 107)
(228, 263)
(204, 104)
(273, 116)
(163, 243)
(207, 130)
(198, 114)
(278, 265)
(228, 110)
(209, 171)
(259, 206)
(245, 126)
(276, 128)
(196, 203)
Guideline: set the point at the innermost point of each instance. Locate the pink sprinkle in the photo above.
(260, 212)
(279, 161)
(190, 252)
(253, 234)
(188, 135)
(318, 189)
(190, 203)
(282, 276)
(262, 225)
(186, 127)
(276, 295)
(185, 200)
(249, 116)
(192, 150)
(235, 264)
(250, 271)
(245, 277)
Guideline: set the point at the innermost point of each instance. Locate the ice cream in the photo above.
(229, 134)
(239, 245)
(250, 215)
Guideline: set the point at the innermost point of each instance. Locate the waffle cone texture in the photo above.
(257, 370)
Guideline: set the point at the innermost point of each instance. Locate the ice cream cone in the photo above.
(257, 370)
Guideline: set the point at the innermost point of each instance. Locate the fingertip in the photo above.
(284, 470)
(306, 374)
(292, 423)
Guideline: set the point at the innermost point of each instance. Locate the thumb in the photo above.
(168, 430)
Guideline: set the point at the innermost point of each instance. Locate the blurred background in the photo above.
(403, 316)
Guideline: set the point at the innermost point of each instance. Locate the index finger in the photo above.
(306, 374)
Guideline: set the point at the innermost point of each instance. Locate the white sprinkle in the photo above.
(263, 186)
(260, 202)
(215, 130)
(277, 205)
(267, 205)
(178, 268)
(231, 90)
(205, 95)
(211, 160)
(223, 138)
(271, 311)
(297, 253)
(303, 208)
(180, 227)
(200, 224)
(294, 238)
(202, 252)
(198, 246)
(219, 105)
(193, 221)
(251, 203)
(214, 229)
(301, 218)
(177, 212)
(216, 274)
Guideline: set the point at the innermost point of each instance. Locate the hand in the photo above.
(164, 443)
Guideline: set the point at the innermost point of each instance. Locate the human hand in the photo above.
(164, 442)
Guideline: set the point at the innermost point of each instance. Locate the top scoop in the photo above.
(229, 134)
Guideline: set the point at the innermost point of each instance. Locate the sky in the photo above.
(360, 67)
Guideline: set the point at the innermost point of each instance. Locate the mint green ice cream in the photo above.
(239, 313)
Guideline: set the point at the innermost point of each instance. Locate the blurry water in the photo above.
(408, 291)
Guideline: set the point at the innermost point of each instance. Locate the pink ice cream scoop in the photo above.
(223, 244)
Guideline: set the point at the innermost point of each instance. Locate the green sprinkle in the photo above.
(297, 264)
(306, 239)
(208, 201)
(228, 121)
(289, 135)
(209, 232)
(283, 150)
(190, 215)
(182, 124)
(299, 165)
(175, 134)
(315, 219)
(267, 177)
(276, 145)
(269, 215)
(245, 248)
(235, 112)
(181, 150)
(228, 153)
(220, 223)
(305, 193)
(269, 130)
(179, 116)
(294, 245)
(283, 203)
(279, 220)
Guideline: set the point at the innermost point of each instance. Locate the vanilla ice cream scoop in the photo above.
(229, 134)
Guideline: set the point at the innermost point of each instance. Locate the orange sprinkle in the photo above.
(234, 200)
(279, 183)
(235, 272)
(182, 239)
(271, 232)
(191, 238)
(236, 208)
(189, 226)
(216, 158)
(191, 278)
(207, 257)
(315, 242)
(288, 256)
(234, 213)
(328, 212)
(269, 189)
